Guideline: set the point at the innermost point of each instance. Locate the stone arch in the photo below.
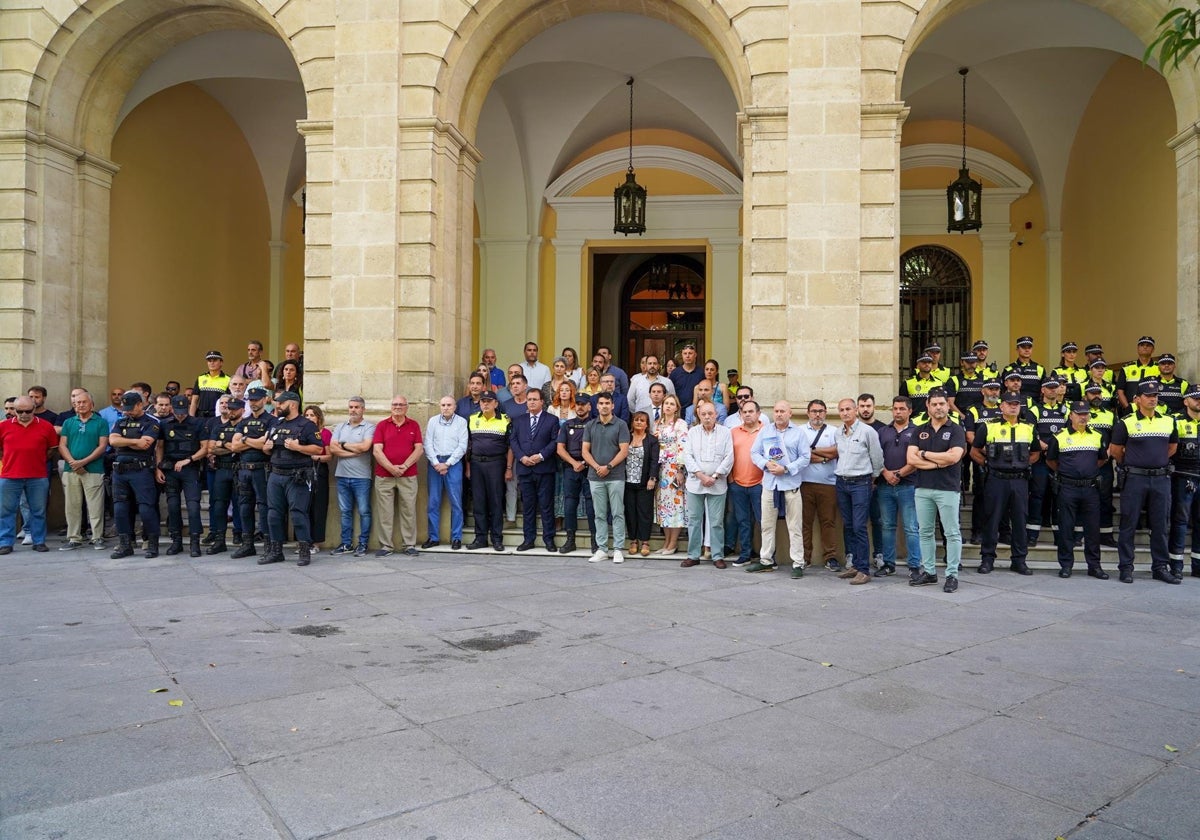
(486, 39)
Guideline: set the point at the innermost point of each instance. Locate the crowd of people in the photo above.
(670, 449)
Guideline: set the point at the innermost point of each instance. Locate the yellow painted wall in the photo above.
(1119, 216)
(1027, 280)
(656, 182)
(652, 137)
(291, 321)
(189, 257)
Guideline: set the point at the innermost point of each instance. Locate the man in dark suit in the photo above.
(534, 447)
(608, 384)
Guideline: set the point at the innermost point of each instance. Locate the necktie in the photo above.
(655, 415)
(533, 421)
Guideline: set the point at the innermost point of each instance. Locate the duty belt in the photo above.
(226, 463)
(1076, 482)
(131, 466)
(1009, 473)
(169, 464)
(290, 470)
(253, 465)
(1148, 472)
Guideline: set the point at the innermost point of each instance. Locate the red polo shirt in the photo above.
(25, 447)
(398, 443)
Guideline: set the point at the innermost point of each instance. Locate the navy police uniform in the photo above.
(1032, 374)
(224, 473)
(182, 440)
(133, 480)
(289, 487)
(979, 414)
(576, 487)
(1078, 456)
(488, 449)
(1007, 449)
(1185, 500)
(1051, 419)
(1103, 416)
(252, 477)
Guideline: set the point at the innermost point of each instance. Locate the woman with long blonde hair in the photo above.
(670, 497)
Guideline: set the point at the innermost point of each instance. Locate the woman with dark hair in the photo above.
(712, 372)
(318, 508)
(290, 378)
(574, 372)
(641, 480)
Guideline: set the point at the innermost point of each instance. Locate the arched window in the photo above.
(935, 305)
(663, 307)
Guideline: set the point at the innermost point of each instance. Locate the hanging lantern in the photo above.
(964, 197)
(629, 199)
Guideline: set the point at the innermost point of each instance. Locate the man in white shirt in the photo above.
(445, 447)
(536, 373)
(708, 454)
(639, 386)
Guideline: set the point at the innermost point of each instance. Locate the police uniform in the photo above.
(1149, 443)
(576, 487)
(941, 374)
(988, 369)
(1102, 419)
(289, 486)
(1098, 352)
(1185, 500)
(224, 476)
(252, 478)
(1108, 392)
(1006, 449)
(1171, 389)
(917, 388)
(1131, 375)
(210, 388)
(133, 481)
(488, 450)
(978, 414)
(1074, 376)
(1051, 419)
(182, 440)
(1078, 456)
(1032, 374)
(968, 394)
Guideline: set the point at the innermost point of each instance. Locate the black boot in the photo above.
(985, 567)
(124, 547)
(1176, 567)
(1196, 568)
(209, 538)
(1164, 574)
(305, 554)
(273, 553)
(152, 547)
(237, 537)
(1020, 568)
(176, 545)
(569, 545)
(246, 549)
(195, 545)
(218, 546)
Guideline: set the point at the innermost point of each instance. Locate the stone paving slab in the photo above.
(529, 696)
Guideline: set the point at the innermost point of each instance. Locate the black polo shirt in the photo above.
(1146, 440)
(895, 445)
(929, 439)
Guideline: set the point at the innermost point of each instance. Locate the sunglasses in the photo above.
(20, 411)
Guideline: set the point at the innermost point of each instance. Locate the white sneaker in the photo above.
(618, 557)
(600, 556)
(28, 540)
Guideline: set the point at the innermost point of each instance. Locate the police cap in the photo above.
(1099, 363)
(1166, 357)
(179, 403)
(934, 347)
(131, 398)
(1080, 407)
(1194, 393)
(732, 372)
(1095, 349)
(968, 357)
(1012, 374)
(1012, 397)
(980, 345)
(1069, 345)
(1146, 339)
(991, 383)
(1052, 382)
(1093, 389)
(1148, 387)
(213, 354)
(287, 396)
(925, 358)
(1025, 341)
(580, 399)
(235, 404)
(256, 393)
(488, 396)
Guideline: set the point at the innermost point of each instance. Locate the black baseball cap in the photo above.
(131, 398)
(1080, 407)
(489, 395)
(1012, 397)
(179, 403)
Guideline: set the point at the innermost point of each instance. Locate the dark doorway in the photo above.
(663, 307)
(935, 305)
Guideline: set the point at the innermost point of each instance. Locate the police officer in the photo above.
(1185, 501)
(1095, 353)
(1013, 384)
(134, 438)
(937, 370)
(918, 386)
(1142, 445)
(1076, 454)
(1101, 377)
(1051, 415)
(1101, 418)
(986, 410)
(1072, 374)
(1171, 388)
(291, 445)
(1007, 446)
(209, 386)
(988, 369)
(967, 385)
(180, 450)
(1131, 375)
(575, 476)
(1032, 374)
(223, 462)
(490, 466)
(248, 443)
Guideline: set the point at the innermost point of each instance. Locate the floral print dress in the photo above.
(670, 499)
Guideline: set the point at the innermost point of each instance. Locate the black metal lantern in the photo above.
(964, 198)
(629, 199)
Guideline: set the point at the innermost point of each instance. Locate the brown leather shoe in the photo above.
(720, 564)
(859, 579)
(689, 562)
(849, 573)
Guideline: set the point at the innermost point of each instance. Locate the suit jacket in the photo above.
(543, 442)
(620, 407)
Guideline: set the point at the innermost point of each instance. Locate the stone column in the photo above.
(1186, 145)
(1054, 278)
(318, 263)
(275, 315)
(996, 241)
(724, 297)
(94, 189)
(570, 308)
(508, 287)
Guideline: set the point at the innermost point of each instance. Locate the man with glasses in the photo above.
(397, 447)
(24, 442)
(817, 492)
(743, 393)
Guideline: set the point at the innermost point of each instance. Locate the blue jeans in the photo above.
(747, 512)
(877, 522)
(608, 498)
(898, 504)
(450, 484)
(36, 490)
(1185, 514)
(854, 503)
(698, 504)
(931, 506)
(352, 492)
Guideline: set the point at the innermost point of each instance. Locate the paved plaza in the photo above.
(536, 697)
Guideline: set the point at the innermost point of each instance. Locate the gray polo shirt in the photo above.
(606, 440)
(360, 466)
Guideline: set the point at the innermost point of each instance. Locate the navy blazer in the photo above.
(544, 443)
(620, 407)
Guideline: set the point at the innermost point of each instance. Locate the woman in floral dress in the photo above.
(670, 500)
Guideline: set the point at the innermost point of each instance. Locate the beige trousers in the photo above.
(390, 494)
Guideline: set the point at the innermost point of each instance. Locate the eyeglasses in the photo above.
(23, 411)
(399, 405)
(816, 411)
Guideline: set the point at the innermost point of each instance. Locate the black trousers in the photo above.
(537, 497)
(639, 511)
(1154, 494)
(185, 483)
(1107, 479)
(288, 497)
(487, 487)
(1078, 507)
(134, 492)
(318, 511)
(575, 489)
(1041, 498)
(1006, 499)
(252, 498)
(218, 500)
